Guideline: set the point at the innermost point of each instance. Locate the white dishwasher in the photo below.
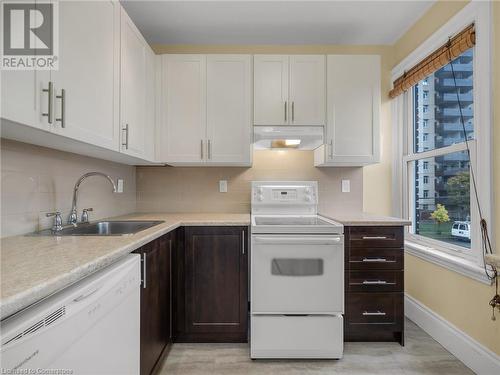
(89, 328)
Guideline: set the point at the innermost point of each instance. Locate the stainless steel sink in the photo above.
(104, 228)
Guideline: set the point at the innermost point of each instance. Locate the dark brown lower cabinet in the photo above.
(212, 277)
(374, 283)
(194, 289)
(155, 302)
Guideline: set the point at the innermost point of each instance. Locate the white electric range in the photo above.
(297, 274)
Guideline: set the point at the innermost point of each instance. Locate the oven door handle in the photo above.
(307, 240)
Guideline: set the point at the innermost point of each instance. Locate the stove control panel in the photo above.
(285, 197)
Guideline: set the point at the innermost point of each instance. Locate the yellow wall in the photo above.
(460, 300)
(376, 195)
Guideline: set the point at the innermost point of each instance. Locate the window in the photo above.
(448, 165)
(425, 94)
(441, 209)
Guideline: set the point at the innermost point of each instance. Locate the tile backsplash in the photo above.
(37, 180)
(196, 189)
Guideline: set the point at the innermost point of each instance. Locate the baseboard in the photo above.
(474, 355)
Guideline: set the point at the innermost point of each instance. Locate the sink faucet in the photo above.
(73, 217)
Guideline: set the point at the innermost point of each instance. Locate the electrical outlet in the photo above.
(346, 186)
(223, 186)
(119, 185)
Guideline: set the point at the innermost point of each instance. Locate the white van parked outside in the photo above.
(461, 230)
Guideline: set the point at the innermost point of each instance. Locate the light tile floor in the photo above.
(421, 355)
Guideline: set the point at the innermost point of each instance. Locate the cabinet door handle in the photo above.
(285, 112)
(125, 143)
(293, 111)
(374, 313)
(201, 149)
(331, 148)
(374, 260)
(209, 149)
(374, 237)
(62, 119)
(243, 242)
(144, 270)
(49, 113)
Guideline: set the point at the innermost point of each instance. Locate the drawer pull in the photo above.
(378, 260)
(374, 237)
(374, 282)
(377, 313)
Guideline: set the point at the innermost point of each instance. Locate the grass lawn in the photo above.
(442, 232)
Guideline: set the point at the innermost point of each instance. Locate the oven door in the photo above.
(297, 274)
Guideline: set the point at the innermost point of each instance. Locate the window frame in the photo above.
(409, 157)
(435, 251)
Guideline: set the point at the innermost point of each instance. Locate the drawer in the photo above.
(374, 281)
(306, 336)
(375, 258)
(376, 237)
(374, 308)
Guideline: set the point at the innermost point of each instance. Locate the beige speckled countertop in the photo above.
(364, 219)
(33, 267)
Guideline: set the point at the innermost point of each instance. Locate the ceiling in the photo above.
(274, 22)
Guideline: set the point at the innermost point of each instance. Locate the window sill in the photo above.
(454, 263)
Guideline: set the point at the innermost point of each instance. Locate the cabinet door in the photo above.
(216, 283)
(271, 106)
(132, 88)
(155, 302)
(307, 90)
(353, 109)
(88, 72)
(22, 97)
(150, 106)
(183, 128)
(229, 109)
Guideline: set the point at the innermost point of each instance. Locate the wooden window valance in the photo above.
(442, 56)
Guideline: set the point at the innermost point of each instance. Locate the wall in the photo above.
(37, 180)
(192, 189)
(460, 300)
(376, 196)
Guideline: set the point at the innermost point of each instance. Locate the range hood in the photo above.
(284, 137)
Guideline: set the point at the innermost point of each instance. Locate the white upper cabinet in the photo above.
(289, 90)
(229, 109)
(206, 107)
(307, 90)
(150, 108)
(271, 78)
(100, 101)
(86, 85)
(183, 127)
(25, 96)
(135, 116)
(353, 111)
